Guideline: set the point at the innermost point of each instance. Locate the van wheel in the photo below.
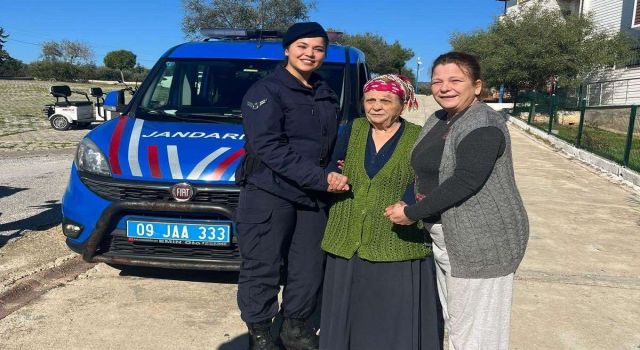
(59, 122)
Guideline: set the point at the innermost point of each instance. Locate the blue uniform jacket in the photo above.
(290, 132)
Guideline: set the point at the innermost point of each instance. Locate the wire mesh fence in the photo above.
(612, 132)
(605, 132)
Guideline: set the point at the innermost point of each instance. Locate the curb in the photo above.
(622, 173)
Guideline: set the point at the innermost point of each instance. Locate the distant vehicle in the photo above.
(155, 186)
(64, 114)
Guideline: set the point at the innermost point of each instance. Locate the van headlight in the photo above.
(89, 158)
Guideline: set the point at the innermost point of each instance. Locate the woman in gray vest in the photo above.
(379, 289)
(469, 203)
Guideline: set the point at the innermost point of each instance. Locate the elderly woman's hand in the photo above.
(395, 213)
(337, 183)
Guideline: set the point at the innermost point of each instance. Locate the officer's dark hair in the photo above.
(467, 63)
(326, 44)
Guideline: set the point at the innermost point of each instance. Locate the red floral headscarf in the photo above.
(396, 84)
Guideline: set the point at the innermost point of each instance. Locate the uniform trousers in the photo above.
(476, 311)
(274, 235)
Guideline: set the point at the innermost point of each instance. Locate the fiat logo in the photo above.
(182, 192)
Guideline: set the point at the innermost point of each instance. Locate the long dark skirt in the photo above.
(369, 306)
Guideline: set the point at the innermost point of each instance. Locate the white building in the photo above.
(616, 86)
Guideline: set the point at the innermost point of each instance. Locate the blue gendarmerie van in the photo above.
(155, 187)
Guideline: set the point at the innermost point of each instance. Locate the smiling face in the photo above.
(453, 88)
(382, 108)
(304, 56)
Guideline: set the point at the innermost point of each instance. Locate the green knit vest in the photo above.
(356, 220)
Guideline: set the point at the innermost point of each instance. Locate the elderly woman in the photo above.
(470, 205)
(379, 287)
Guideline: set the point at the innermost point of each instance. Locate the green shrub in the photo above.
(52, 70)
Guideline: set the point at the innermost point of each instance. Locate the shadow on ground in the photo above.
(6, 191)
(241, 342)
(223, 277)
(44, 220)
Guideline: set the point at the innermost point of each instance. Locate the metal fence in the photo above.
(612, 92)
(612, 132)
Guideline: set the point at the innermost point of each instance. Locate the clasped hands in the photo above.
(395, 213)
(338, 183)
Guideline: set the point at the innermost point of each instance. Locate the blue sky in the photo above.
(150, 27)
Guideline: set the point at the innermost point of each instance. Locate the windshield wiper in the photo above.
(189, 116)
(160, 113)
(216, 115)
(170, 113)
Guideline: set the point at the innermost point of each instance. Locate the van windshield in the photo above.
(213, 89)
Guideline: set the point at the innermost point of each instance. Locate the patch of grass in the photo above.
(611, 145)
(604, 143)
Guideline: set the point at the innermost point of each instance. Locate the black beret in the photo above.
(303, 30)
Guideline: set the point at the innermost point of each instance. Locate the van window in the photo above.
(202, 88)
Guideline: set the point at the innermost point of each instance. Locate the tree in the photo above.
(120, 60)
(526, 50)
(246, 14)
(73, 52)
(76, 52)
(9, 66)
(382, 57)
(3, 38)
(51, 51)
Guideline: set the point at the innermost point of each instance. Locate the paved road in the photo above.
(31, 186)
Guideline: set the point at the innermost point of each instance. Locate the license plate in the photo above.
(218, 234)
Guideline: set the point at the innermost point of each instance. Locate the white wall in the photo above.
(606, 13)
(571, 5)
(612, 15)
(623, 88)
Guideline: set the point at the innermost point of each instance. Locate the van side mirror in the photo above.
(114, 101)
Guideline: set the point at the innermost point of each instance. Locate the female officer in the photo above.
(290, 124)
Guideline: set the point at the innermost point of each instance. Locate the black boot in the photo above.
(296, 336)
(259, 336)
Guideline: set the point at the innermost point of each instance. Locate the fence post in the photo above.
(600, 100)
(583, 109)
(532, 108)
(551, 112)
(627, 147)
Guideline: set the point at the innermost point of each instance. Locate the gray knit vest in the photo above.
(486, 235)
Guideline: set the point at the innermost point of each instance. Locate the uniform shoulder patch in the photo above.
(256, 105)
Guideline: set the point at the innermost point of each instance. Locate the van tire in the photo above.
(59, 122)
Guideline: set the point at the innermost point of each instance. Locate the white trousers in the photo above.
(477, 312)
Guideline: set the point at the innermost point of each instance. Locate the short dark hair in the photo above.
(467, 63)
